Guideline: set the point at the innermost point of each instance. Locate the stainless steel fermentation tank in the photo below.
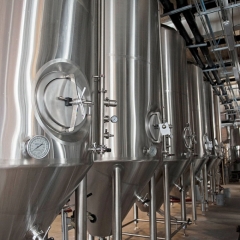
(131, 72)
(176, 113)
(217, 151)
(235, 144)
(45, 65)
(200, 118)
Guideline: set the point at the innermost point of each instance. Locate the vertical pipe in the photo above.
(64, 225)
(167, 204)
(81, 210)
(192, 175)
(183, 199)
(153, 221)
(135, 215)
(117, 218)
(205, 186)
(101, 33)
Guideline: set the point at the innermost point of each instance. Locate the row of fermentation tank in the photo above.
(88, 90)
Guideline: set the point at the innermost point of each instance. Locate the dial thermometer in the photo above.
(38, 147)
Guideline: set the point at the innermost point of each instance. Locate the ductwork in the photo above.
(176, 19)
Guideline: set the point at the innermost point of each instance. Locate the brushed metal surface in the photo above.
(176, 110)
(176, 91)
(132, 79)
(32, 35)
(195, 81)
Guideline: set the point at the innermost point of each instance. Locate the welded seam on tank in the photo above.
(141, 59)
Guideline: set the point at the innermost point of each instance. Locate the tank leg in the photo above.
(153, 222)
(117, 211)
(202, 193)
(64, 225)
(192, 175)
(183, 203)
(183, 199)
(213, 187)
(90, 237)
(214, 183)
(81, 210)
(135, 215)
(205, 186)
(167, 204)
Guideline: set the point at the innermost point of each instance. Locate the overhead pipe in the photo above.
(190, 18)
(176, 19)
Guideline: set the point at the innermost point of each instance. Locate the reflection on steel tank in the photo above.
(46, 66)
(131, 74)
(176, 113)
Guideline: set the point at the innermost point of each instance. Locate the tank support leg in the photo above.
(117, 211)
(214, 182)
(205, 186)
(135, 215)
(64, 225)
(183, 199)
(81, 210)
(152, 213)
(192, 175)
(167, 204)
(90, 237)
(202, 193)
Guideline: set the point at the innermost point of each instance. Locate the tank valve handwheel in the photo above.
(188, 137)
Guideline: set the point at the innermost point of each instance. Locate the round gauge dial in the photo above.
(114, 119)
(38, 147)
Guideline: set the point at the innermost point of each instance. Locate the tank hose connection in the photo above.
(100, 149)
(144, 200)
(91, 217)
(180, 188)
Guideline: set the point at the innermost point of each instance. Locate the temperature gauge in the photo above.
(114, 119)
(38, 147)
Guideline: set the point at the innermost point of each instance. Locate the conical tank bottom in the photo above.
(175, 168)
(135, 175)
(32, 196)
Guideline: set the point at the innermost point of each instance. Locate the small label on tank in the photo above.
(164, 128)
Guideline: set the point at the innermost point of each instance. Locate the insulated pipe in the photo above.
(167, 203)
(204, 49)
(183, 199)
(81, 210)
(192, 175)
(176, 19)
(153, 222)
(198, 37)
(117, 210)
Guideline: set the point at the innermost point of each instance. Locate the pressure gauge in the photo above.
(114, 119)
(38, 147)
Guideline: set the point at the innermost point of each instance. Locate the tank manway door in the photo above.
(154, 127)
(62, 101)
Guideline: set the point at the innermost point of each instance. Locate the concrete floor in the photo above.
(219, 223)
